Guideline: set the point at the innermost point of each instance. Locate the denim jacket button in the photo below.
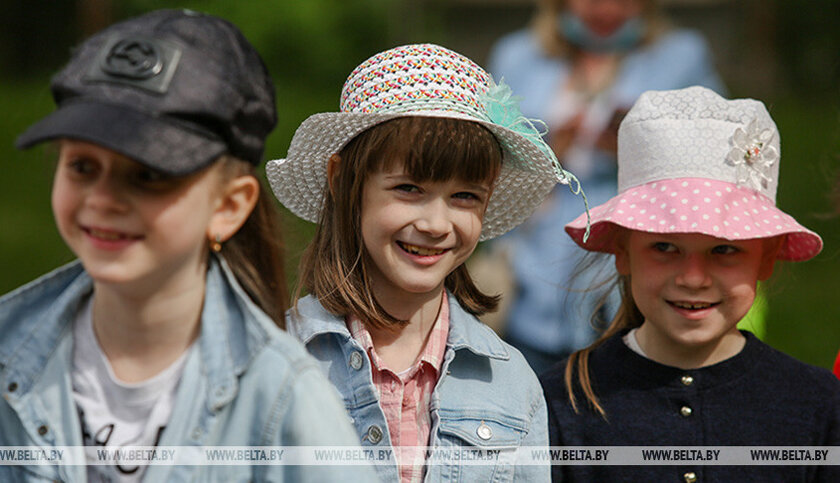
(484, 432)
(374, 434)
(356, 360)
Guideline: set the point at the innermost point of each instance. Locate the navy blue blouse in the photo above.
(760, 397)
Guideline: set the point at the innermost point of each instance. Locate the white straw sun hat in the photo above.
(422, 80)
(690, 161)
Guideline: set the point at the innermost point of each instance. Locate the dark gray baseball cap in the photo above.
(172, 89)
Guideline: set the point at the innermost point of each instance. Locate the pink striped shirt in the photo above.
(405, 397)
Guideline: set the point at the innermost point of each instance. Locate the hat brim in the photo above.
(299, 181)
(172, 147)
(694, 205)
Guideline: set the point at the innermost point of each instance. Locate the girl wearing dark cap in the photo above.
(161, 335)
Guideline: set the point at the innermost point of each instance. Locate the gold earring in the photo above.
(216, 245)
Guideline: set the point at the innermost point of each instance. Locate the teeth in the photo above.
(106, 235)
(423, 251)
(696, 306)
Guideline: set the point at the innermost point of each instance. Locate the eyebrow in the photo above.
(481, 188)
(399, 176)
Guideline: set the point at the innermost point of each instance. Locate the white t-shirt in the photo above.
(633, 343)
(113, 413)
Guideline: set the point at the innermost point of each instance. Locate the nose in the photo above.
(694, 273)
(434, 220)
(107, 193)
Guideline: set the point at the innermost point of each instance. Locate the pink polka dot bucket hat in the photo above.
(432, 81)
(690, 161)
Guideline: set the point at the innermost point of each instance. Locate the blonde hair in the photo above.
(577, 366)
(335, 265)
(551, 40)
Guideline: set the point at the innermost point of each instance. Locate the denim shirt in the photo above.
(484, 383)
(677, 59)
(247, 384)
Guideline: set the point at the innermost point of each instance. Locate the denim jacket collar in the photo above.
(465, 332)
(231, 321)
(32, 328)
(226, 349)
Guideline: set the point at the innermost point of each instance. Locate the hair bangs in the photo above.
(437, 149)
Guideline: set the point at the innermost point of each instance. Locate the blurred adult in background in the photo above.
(580, 66)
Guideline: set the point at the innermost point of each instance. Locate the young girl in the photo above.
(693, 229)
(426, 157)
(582, 64)
(148, 339)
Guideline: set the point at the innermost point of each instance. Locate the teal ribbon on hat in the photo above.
(502, 109)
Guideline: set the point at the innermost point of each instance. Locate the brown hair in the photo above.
(335, 266)
(553, 43)
(255, 252)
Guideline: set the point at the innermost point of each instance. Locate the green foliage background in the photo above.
(311, 45)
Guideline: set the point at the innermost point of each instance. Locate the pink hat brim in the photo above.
(695, 205)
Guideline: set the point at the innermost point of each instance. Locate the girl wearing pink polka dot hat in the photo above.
(693, 229)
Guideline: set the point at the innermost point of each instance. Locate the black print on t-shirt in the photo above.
(103, 435)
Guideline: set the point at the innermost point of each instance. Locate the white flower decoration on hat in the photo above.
(753, 155)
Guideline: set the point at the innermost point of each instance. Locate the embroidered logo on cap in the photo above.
(137, 61)
(133, 58)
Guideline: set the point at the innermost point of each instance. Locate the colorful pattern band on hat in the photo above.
(423, 80)
(690, 161)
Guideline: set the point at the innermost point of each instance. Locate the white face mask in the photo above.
(577, 33)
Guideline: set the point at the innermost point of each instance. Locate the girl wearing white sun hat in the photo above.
(426, 157)
(693, 228)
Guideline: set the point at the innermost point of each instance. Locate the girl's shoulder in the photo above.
(46, 287)
(41, 306)
(783, 369)
(601, 361)
(476, 345)
(258, 350)
(284, 366)
(308, 318)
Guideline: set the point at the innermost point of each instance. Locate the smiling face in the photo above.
(691, 288)
(417, 233)
(128, 223)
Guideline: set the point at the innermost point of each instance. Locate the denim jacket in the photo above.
(247, 384)
(484, 383)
